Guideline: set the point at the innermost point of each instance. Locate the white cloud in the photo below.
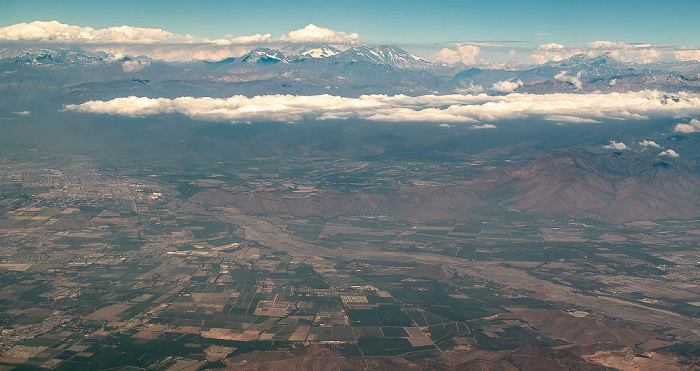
(616, 146)
(550, 52)
(398, 114)
(23, 113)
(471, 89)
(669, 153)
(133, 66)
(314, 34)
(649, 143)
(464, 53)
(684, 129)
(506, 86)
(160, 44)
(465, 108)
(55, 31)
(692, 127)
(484, 126)
(174, 52)
(575, 80)
(571, 119)
(687, 55)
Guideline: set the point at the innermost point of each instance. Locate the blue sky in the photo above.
(389, 21)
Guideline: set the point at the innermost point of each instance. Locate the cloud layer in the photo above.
(160, 44)
(54, 31)
(124, 40)
(456, 108)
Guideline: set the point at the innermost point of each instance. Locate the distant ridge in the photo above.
(609, 186)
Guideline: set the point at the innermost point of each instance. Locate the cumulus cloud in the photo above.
(649, 143)
(465, 108)
(506, 86)
(23, 113)
(575, 80)
(464, 53)
(669, 153)
(550, 52)
(314, 34)
(54, 31)
(619, 146)
(133, 66)
(687, 55)
(692, 127)
(684, 129)
(484, 126)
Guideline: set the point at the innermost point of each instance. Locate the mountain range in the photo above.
(616, 187)
(318, 69)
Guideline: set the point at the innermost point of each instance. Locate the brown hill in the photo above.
(579, 331)
(610, 186)
(436, 272)
(320, 358)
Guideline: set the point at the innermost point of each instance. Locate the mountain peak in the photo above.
(319, 51)
(264, 55)
(385, 54)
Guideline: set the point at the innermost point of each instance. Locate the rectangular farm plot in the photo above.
(109, 313)
(272, 308)
(382, 315)
(417, 338)
(332, 334)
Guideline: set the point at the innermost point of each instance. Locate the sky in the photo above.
(389, 21)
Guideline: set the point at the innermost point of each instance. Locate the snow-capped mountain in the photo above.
(320, 51)
(602, 66)
(584, 73)
(264, 55)
(319, 68)
(385, 54)
(40, 56)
